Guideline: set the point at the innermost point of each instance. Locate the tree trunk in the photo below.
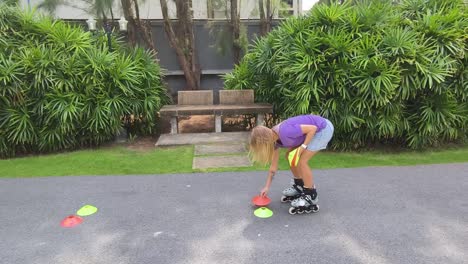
(144, 28)
(235, 29)
(184, 42)
(261, 9)
(128, 14)
(265, 17)
(191, 43)
(131, 12)
(269, 16)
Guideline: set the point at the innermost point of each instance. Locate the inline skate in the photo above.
(293, 192)
(306, 203)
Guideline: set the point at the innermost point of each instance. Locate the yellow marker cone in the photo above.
(263, 212)
(87, 210)
(293, 157)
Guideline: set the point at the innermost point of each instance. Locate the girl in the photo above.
(309, 132)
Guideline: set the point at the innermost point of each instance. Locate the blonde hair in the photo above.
(262, 145)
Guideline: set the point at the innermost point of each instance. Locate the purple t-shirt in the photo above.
(290, 133)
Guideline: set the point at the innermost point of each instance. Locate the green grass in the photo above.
(332, 160)
(107, 161)
(121, 161)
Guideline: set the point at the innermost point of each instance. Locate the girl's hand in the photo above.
(264, 191)
(300, 150)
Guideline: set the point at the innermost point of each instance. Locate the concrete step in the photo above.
(220, 162)
(215, 149)
(202, 138)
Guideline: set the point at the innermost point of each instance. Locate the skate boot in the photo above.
(293, 192)
(306, 203)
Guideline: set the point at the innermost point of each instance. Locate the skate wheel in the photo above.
(284, 199)
(300, 211)
(292, 210)
(315, 209)
(312, 209)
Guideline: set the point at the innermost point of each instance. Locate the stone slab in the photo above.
(202, 138)
(220, 162)
(220, 149)
(195, 97)
(235, 97)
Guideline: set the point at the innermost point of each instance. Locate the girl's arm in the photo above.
(271, 172)
(310, 131)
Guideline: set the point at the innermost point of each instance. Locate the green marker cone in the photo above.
(87, 210)
(263, 212)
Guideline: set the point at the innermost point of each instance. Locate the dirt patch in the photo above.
(196, 124)
(206, 124)
(143, 144)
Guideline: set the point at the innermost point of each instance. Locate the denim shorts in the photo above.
(321, 139)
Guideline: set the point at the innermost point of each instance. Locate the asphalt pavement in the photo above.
(414, 215)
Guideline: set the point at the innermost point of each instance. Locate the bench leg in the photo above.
(218, 123)
(260, 119)
(174, 127)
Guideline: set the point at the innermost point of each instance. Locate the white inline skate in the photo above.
(306, 203)
(293, 192)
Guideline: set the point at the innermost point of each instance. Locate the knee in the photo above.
(303, 162)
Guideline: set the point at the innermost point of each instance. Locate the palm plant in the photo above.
(62, 89)
(382, 72)
(9, 2)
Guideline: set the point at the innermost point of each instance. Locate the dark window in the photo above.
(218, 9)
(286, 9)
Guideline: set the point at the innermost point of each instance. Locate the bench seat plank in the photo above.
(180, 110)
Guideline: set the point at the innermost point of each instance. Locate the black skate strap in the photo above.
(297, 188)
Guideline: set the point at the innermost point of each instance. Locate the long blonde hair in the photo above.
(262, 145)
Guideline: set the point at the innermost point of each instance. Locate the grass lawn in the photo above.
(106, 161)
(121, 161)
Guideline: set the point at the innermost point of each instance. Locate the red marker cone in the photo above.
(261, 201)
(71, 221)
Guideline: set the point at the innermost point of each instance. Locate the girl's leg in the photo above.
(294, 191)
(304, 169)
(308, 200)
(295, 170)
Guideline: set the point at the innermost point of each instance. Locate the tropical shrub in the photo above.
(383, 73)
(61, 88)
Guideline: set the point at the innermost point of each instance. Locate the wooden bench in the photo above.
(231, 102)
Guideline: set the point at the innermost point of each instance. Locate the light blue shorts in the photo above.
(321, 139)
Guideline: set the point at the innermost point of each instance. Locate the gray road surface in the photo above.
(368, 215)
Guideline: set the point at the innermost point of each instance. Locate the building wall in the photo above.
(151, 9)
(213, 64)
